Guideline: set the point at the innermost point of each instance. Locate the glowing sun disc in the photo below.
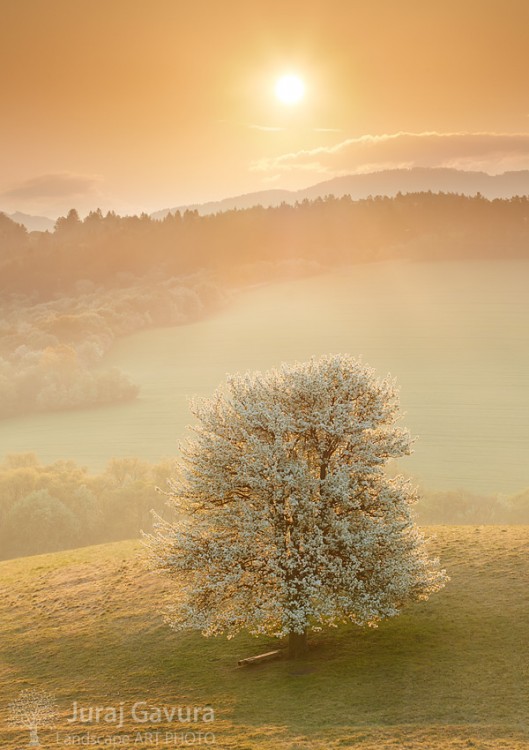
(290, 89)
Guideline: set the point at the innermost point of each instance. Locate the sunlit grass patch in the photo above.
(450, 673)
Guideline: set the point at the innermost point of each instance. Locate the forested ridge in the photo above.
(101, 248)
(67, 295)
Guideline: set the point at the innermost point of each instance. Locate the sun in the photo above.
(290, 89)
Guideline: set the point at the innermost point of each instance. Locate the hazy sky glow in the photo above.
(137, 105)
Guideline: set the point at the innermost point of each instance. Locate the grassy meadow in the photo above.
(452, 672)
(453, 334)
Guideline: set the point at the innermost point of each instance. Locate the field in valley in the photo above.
(454, 334)
(452, 672)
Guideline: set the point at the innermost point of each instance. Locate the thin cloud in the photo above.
(253, 126)
(490, 152)
(266, 128)
(53, 186)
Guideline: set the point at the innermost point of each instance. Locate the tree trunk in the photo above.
(297, 644)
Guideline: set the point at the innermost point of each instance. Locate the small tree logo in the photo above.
(33, 709)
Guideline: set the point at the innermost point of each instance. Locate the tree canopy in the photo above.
(290, 520)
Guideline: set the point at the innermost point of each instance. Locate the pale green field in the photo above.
(455, 335)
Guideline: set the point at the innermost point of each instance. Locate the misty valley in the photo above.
(101, 356)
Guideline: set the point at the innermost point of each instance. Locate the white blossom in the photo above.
(289, 519)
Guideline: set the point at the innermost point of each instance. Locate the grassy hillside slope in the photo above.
(449, 673)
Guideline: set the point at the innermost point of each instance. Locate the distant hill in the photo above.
(33, 223)
(264, 198)
(388, 182)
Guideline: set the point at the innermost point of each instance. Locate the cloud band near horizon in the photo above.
(58, 185)
(488, 152)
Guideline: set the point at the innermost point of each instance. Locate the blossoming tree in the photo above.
(288, 520)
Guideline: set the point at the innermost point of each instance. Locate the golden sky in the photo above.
(144, 104)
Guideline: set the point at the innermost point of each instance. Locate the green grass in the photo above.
(454, 334)
(452, 672)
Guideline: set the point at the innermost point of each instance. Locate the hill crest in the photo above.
(386, 182)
